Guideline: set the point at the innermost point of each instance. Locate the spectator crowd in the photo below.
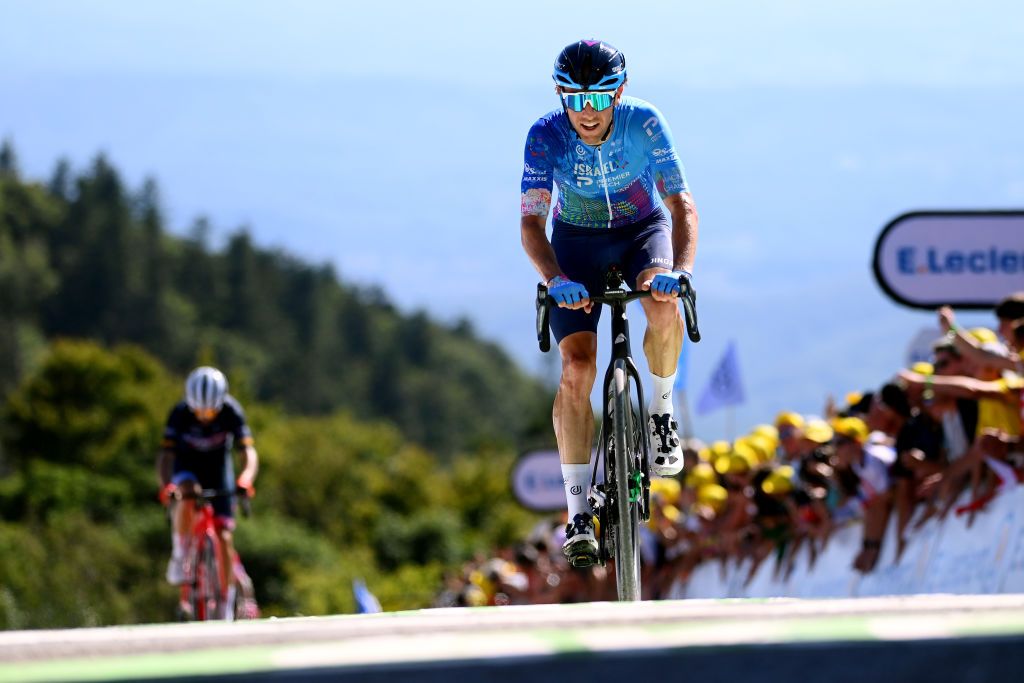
(939, 438)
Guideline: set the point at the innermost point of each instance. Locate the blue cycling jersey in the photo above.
(606, 186)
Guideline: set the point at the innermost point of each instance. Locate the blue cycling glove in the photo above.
(668, 283)
(565, 291)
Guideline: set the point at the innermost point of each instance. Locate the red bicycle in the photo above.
(202, 596)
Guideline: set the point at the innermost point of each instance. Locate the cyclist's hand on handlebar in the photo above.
(165, 494)
(665, 286)
(569, 294)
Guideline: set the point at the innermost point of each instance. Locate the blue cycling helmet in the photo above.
(590, 65)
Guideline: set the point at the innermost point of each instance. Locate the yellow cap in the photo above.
(818, 431)
(764, 448)
(923, 368)
(984, 335)
(671, 511)
(744, 448)
(852, 428)
(713, 495)
(700, 474)
(789, 419)
(769, 433)
(704, 454)
(739, 461)
(474, 596)
(720, 448)
(779, 482)
(667, 488)
(853, 398)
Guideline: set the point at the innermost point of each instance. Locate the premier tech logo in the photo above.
(912, 260)
(966, 259)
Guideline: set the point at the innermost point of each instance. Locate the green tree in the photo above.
(8, 161)
(27, 275)
(97, 416)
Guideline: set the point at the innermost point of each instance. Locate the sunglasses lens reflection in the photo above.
(578, 101)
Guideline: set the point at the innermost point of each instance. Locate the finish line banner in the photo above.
(966, 259)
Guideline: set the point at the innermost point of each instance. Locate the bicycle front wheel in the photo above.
(627, 530)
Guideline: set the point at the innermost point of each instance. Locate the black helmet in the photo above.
(590, 65)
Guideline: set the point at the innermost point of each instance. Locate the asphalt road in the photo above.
(917, 638)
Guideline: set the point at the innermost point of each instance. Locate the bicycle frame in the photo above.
(208, 595)
(627, 467)
(204, 591)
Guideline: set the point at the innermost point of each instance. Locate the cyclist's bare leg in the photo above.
(225, 558)
(573, 418)
(663, 339)
(183, 514)
(573, 415)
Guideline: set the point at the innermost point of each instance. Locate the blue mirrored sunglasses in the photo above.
(599, 100)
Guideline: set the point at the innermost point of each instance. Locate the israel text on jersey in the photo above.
(604, 186)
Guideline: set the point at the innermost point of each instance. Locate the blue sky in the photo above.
(387, 139)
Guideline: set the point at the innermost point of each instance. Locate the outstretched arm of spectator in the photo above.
(876, 517)
(969, 347)
(954, 387)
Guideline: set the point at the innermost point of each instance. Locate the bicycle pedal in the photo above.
(583, 560)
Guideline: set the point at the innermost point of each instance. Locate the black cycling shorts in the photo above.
(585, 254)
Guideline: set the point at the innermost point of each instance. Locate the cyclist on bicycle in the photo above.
(196, 454)
(610, 156)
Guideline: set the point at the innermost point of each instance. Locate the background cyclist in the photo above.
(196, 453)
(610, 156)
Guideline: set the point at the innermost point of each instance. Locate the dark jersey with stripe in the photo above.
(204, 449)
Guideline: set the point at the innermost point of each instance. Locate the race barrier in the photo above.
(946, 556)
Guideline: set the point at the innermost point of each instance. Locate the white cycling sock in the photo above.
(177, 546)
(577, 482)
(661, 400)
(229, 603)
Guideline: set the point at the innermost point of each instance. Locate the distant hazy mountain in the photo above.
(415, 187)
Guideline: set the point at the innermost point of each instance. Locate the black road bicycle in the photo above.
(623, 499)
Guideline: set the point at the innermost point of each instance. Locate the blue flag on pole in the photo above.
(724, 387)
(366, 602)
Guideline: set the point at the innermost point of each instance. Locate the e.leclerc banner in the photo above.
(967, 259)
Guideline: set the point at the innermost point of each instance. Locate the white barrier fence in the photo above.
(940, 557)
